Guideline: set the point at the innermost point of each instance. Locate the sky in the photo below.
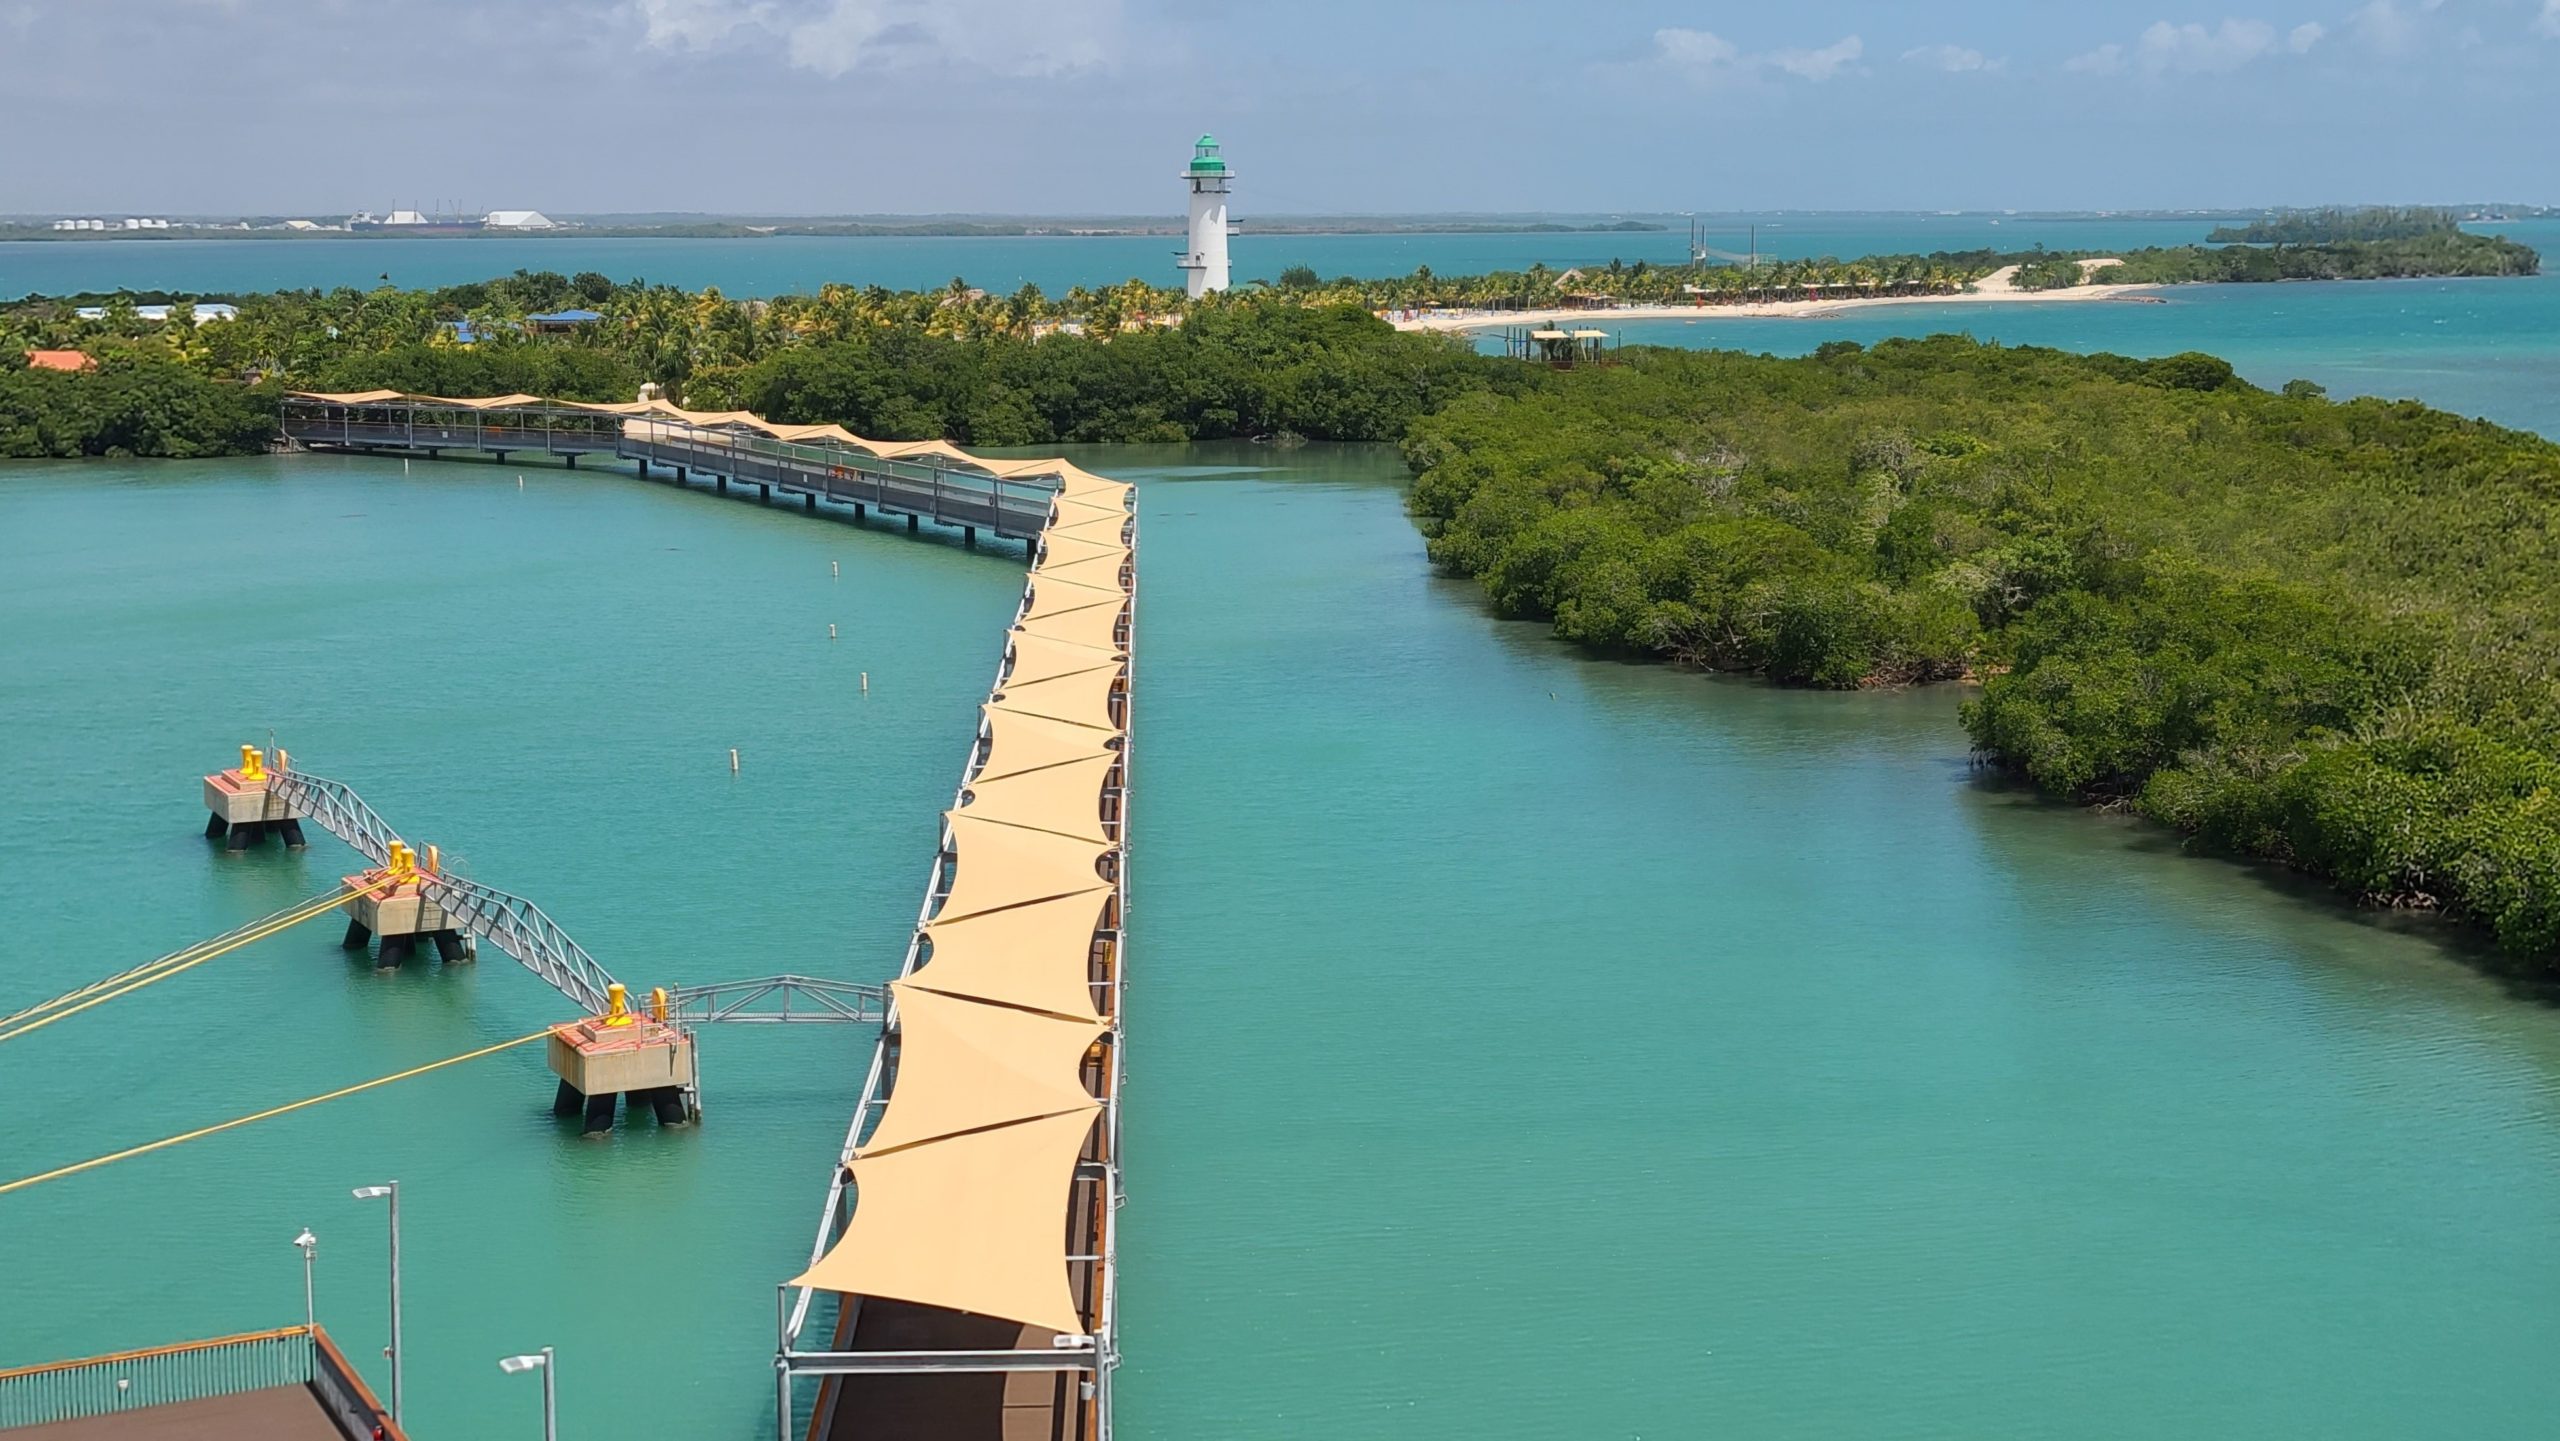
(1064, 107)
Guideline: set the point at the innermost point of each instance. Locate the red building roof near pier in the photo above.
(59, 360)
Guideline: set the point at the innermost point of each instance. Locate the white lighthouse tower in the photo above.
(1205, 262)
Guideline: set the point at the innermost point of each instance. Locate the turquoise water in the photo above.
(776, 265)
(1522, 1045)
(2480, 347)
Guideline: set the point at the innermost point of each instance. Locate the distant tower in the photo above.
(1206, 260)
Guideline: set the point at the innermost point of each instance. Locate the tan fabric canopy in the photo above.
(1039, 955)
(965, 1065)
(1068, 549)
(1055, 597)
(1095, 625)
(1083, 698)
(1076, 509)
(1038, 658)
(350, 397)
(1002, 865)
(1098, 529)
(971, 1223)
(1101, 573)
(1019, 742)
(1064, 799)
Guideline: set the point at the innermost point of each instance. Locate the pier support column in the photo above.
(358, 936)
(601, 1060)
(640, 468)
(682, 475)
(969, 536)
(809, 502)
(764, 493)
(720, 483)
(449, 947)
(500, 456)
(859, 512)
(571, 460)
(241, 811)
(912, 522)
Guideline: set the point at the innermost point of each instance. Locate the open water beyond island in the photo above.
(1521, 1044)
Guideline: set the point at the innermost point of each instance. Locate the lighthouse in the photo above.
(1205, 262)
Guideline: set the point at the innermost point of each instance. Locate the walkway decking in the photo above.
(963, 1279)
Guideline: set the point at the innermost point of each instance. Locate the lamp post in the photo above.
(309, 1245)
(539, 1360)
(376, 1193)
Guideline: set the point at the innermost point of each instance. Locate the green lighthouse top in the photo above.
(1204, 157)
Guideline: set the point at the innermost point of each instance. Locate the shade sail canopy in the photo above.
(1038, 658)
(965, 1065)
(1076, 509)
(1039, 955)
(1083, 698)
(1098, 529)
(1021, 742)
(1063, 549)
(1002, 865)
(1102, 573)
(349, 397)
(1097, 626)
(1055, 597)
(1065, 799)
(972, 1223)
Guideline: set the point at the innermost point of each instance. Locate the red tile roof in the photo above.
(59, 360)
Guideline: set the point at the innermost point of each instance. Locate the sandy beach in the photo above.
(1996, 288)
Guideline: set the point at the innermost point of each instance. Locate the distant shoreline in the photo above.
(731, 231)
(1994, 289)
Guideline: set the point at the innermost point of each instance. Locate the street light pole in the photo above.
(369, 1193)
(309, 1244)
(541, 1359)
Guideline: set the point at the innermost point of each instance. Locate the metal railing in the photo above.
(1015, 507)
(195, 1371)
(509, 922)
(772, 1000)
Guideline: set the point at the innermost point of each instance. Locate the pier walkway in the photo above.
(924, 480)
(963, 1280)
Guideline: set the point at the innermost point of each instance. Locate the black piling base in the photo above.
(809, 502)
(568, 1100)
(600, 1113)
(247, 834)
(449, 947)
(214, 826)
(666, 1101)
(572, 459)
(911, 524)
(394, 952)
(291, 830)
(357, 935)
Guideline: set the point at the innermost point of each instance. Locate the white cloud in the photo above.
(1819, 64)
(1708, 58)
(2107, 59)
(837, 37)
(2548, 22)
(2191, 48)
(1959, 59)
(2389, 27)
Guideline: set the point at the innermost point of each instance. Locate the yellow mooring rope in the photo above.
(268, 1114)
(71, 1003)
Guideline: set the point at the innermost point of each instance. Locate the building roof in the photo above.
(59, 360)
(566, 317)
(1205, 159)
(519, 220)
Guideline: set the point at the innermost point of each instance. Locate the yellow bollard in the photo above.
(401, 861)
(251, 767)
(658, 1005)
(618, 1006)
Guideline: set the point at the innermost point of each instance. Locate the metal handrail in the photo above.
(774, 1000)
(510, 922)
